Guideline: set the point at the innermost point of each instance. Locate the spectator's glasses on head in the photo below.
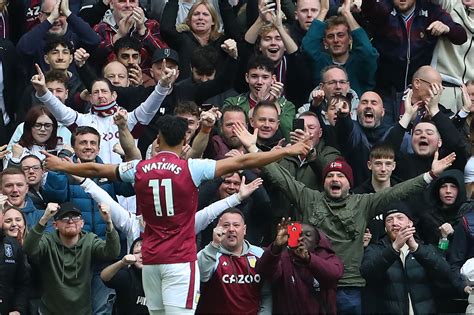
(33, 167)
(334, 82)
(47, 126)
(74, 219)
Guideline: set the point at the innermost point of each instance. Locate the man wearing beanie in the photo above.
(402, 270)
(343, 216)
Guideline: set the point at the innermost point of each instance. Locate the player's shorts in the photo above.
(171, 284)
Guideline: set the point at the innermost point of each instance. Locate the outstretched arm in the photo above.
(90, 170)
(259, 159)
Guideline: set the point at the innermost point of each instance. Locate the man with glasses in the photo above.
(339, 34)
(334, 81)
(56, 20)
(66, 255)
(31, 166)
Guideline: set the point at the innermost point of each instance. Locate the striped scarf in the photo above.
(105, 110)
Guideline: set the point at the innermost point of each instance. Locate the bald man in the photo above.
(356, 138)
(431, 128)
(421, 83)
(116, 73)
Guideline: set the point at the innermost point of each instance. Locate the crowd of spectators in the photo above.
(236, 156)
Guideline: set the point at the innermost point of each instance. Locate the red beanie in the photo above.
(340, 165)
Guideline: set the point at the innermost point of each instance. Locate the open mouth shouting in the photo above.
(335, 188)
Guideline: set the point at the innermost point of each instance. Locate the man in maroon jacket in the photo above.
(304, 279)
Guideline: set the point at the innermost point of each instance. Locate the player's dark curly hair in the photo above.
(172, 129)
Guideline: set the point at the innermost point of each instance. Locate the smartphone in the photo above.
(206, 107)
(294, 233)
(298, 123)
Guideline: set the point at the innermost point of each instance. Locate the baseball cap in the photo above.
(67, 208)
(165, 53)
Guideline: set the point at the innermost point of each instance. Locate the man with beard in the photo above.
(66, 255)
(56, 20)
(355, 138)
(343, 217)
(227, 140)
(402, 270)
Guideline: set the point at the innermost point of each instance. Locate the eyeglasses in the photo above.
(47, 126)
(334, 82)
(74, 219)
(34, 168)
(423, 80)
(428, 82)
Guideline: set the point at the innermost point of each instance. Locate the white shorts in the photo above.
(172, 285)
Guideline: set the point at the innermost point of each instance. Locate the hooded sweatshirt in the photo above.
(66, 272)
(437, 215)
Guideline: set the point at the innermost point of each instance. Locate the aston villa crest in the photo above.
(8, 250)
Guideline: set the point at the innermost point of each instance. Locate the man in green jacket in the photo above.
(65, 257)
(343, 216)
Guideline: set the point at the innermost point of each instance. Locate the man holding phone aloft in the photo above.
(343, 216)
(304, 278)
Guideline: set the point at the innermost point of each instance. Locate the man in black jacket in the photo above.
(402, 270)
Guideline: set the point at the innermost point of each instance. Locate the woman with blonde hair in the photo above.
(203, 23)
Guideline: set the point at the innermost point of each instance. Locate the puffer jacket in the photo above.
(385, 273)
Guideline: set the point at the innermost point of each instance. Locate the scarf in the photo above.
(105, 110)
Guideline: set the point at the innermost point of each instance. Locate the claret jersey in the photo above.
(167, 196)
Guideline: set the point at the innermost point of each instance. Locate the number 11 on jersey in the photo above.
(167, 184)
